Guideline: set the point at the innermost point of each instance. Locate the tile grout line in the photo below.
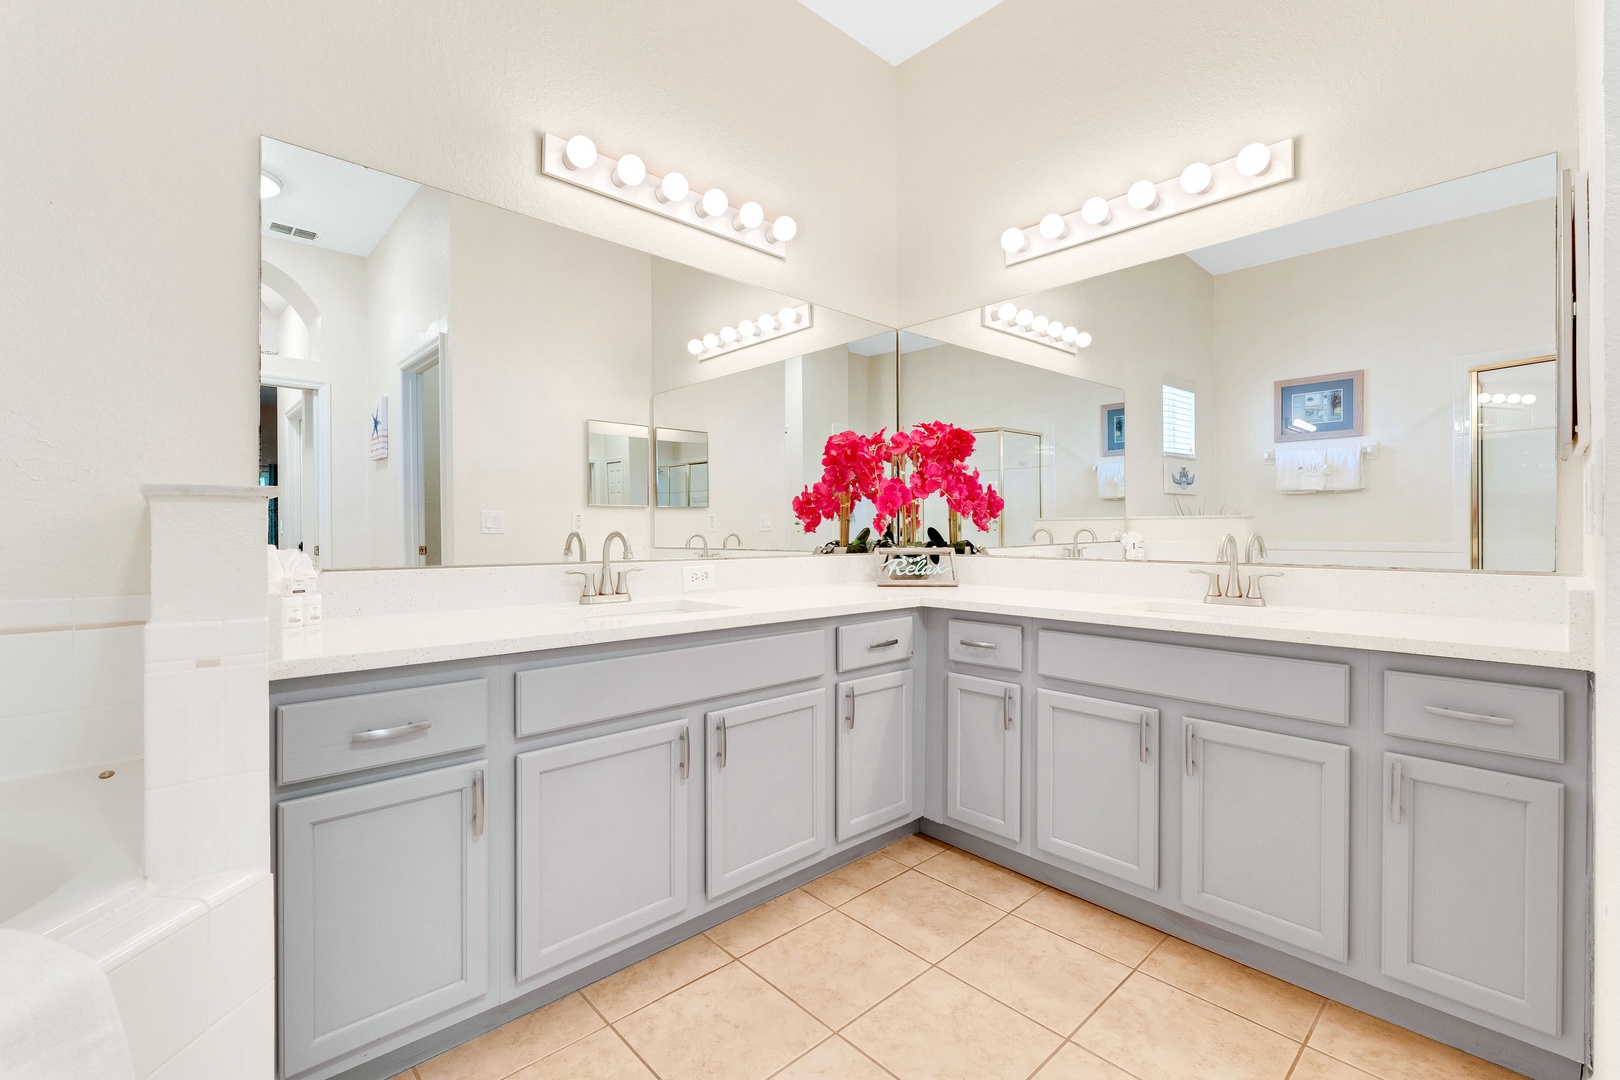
(1299, 1055)
(767, 941)
(617, 1034)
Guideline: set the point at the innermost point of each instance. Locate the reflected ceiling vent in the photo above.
(288, 230)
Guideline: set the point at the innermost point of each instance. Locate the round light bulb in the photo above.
(1082, 340)
(1053, 227)
(1529, 399)
(747, 329)
(711, 341)
(713, 203)
(1498, 399)
(1007, 313)
(1254, 159)
(1054, 330)
(1143, 195)
(728, 334)
(695, 347)
(1023, 318)
(788, 316)
(1514, 399)
(1038, 324)
(767, 323)
(783, 229)
(1013, 241)
(1196, 178)
(579, 153)
(1070, 333)
(269, 186)
(673, 188)
(1096, 211)
(1485, 399)
(750, 215)
(630, 171)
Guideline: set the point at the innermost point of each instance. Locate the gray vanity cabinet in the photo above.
(1265, 834)
(875, 785)
(602, 841)
(384, 910)
(1472, 887)
(983, 757)
(768, 783)
(1097, 784)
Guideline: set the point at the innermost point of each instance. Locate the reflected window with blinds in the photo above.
(1179, 421)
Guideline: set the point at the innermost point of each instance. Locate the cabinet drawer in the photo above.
(1281, 686)
(568, 695)
(1525, 721)
(867, 645)
(986, 644)
(362, 731)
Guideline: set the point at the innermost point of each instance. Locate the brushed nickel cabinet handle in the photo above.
(686, 754)
(849, 707)
(478, 803)
(1007, 709)
(381, 733)
(1478, 718)
(876, 645)
(1187, 747)
(977, 644)
(1143, 732)
(720, 729)
(1395, 792)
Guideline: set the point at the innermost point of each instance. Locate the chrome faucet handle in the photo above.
(623, 586)
(1214, 582)
(590, 582)
(1253, 592)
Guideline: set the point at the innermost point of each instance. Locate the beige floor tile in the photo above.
(926, 916)
(977, 877)
(1152, 1029)
(511, 1046)
(940, 1028)
(1282, 1007)
(848, 882)
(729, 1025)
(601, 1055)
(834, 967)
(1096, 928)
(834, 1059)
(625, 991)
(1392, 1053)
(408, 1074)
(1318, 1066)
(1046, 977)
(771, 919)
(913, 849)
(1073, 1063)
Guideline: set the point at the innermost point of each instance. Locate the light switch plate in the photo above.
(712, 525)
(492, 521)
(697, 578)
(579, 521)
(764, 523)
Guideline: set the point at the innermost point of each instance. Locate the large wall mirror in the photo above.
(448, 383)
(1375, 387)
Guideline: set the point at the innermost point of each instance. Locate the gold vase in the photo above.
(843, 521)
(956, 528)
(911, 520)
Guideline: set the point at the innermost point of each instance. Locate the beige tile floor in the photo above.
(922, 962)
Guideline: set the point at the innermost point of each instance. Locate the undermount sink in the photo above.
(1225, 612)
(637, 611)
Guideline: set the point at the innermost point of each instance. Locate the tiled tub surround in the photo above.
(451, 643)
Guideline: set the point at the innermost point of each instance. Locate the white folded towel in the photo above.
(1111, 478)
(274, 566)
(1345, 471)
(1308, 469)
(58, 1019)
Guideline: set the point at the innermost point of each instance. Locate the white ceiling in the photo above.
(897, 30)
(347, 206)
(1494, 189)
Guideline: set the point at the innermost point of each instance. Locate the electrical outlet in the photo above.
(492, 521)
(697, 578)
(579, 521)
(764, 523)
(713, 527)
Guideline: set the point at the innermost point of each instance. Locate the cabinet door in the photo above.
(1265, 837)
(1473, 869)
(601, 841)
(1097, 784)
(767, 789)
(874, 753)
(982, 720)
(384, 909)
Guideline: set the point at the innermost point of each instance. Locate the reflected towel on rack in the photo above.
(1344, 469)
(1301, 471)
(1111, 478)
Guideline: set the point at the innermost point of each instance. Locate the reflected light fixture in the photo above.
(1009, 318)
(269, 186)
(761, 328)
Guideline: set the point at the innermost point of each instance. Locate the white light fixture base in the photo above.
(806, 317)
(1226, 183)
(988, 318)
(598, 177)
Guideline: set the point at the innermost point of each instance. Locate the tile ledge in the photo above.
(226, 491)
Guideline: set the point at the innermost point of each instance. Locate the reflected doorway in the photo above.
(1515, 465)
(293, 456)
(1010, 460)
(422, 376)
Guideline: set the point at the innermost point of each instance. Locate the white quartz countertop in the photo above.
(374, 642)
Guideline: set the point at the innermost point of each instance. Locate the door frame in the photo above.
(323, 555)
(1476, 470)
(436, 351)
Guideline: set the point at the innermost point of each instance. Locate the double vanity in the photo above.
(477, 812)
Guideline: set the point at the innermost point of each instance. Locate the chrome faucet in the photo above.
(700, 538)
(607, 590)
(1074, 553)
(574, 539)
(1042, 529)
(729, 538)
(1234, 592)
(1257, 547)
(1228, 553)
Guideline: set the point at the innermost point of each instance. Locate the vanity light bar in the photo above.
(1011, 319)
(576, 161)
(1256, 166)
(790, 320)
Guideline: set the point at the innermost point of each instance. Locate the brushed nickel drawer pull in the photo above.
(977, 644)
(478, 803)
(1395, 792)
(720, 729)
(1007, 713)
(876, 645)
(1187, 746)
(381, 733)
(849, 707)
(686, 754)
(1478, 718)
(1143, 733)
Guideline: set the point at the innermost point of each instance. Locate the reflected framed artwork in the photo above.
(1113, 429)
(1320, 407)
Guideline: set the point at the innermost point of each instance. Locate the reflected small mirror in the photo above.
(615, 464)
(682, 471)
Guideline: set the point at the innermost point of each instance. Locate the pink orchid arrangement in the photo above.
(852, 469)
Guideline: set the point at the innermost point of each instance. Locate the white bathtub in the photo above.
(70, 844)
